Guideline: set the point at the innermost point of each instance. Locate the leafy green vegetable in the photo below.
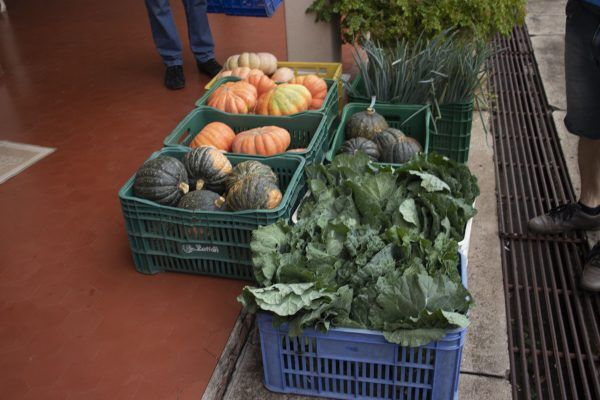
(373, 248)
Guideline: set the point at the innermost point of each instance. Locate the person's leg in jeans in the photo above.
(582, 68)
(201, 41)
(166, 39)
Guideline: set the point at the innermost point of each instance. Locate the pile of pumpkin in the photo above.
(368, 132)
(281, 93)
(264, 141)
(206, 180)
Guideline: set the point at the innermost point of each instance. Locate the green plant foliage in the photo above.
(388, 20)
(442, 70)
(373, 248)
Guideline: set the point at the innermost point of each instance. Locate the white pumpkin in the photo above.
(268, 63)
(283, 74)
(232, 62)
(250, 60)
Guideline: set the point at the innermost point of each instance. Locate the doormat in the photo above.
(15, 157)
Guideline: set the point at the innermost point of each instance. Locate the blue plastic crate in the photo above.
(250, 8)
(360, 364)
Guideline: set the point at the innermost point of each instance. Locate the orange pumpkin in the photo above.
(317, 87)
(215, 134)
(285, 99)
(234, 97)
(264, 141)
(262, 83)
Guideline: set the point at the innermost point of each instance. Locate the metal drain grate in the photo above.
(553, 326)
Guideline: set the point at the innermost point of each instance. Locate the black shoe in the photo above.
(174, 78)
(590, 279)
(209, 68)
(565, 218)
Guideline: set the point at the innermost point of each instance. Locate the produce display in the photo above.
(162, 180)
(373, 248)
(215, 185)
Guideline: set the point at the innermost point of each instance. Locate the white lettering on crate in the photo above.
(198, 248)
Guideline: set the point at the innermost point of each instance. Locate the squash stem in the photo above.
(199, 184)
(220, 201)
(184, 187)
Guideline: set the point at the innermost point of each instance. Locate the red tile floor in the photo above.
(76, 320)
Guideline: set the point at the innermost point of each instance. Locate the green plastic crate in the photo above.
(450, 136)
(307, 131)
(165, 238)
(330, 104)
(412, 120)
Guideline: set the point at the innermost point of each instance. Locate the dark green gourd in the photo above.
(162, 180)
(365, 123)
(207, 168)
(202, 200)
(253, 192)
(360, 144)
(388, 137)
(403, 150)
(251, 167)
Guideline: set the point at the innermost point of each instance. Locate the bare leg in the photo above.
(589, 169)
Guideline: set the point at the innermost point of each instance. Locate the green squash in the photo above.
(365, 124)
(162, 180)
(251, 167)
(388, 137)
(253, 192)
(360, 144)
(204, 200)
(207, 168)
(402, 151)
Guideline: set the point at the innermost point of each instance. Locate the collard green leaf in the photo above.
(430, 182)
(267, 244)
(283, 299)
(408, 210)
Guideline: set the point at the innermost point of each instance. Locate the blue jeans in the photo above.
(582, 69)
(165, 34)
